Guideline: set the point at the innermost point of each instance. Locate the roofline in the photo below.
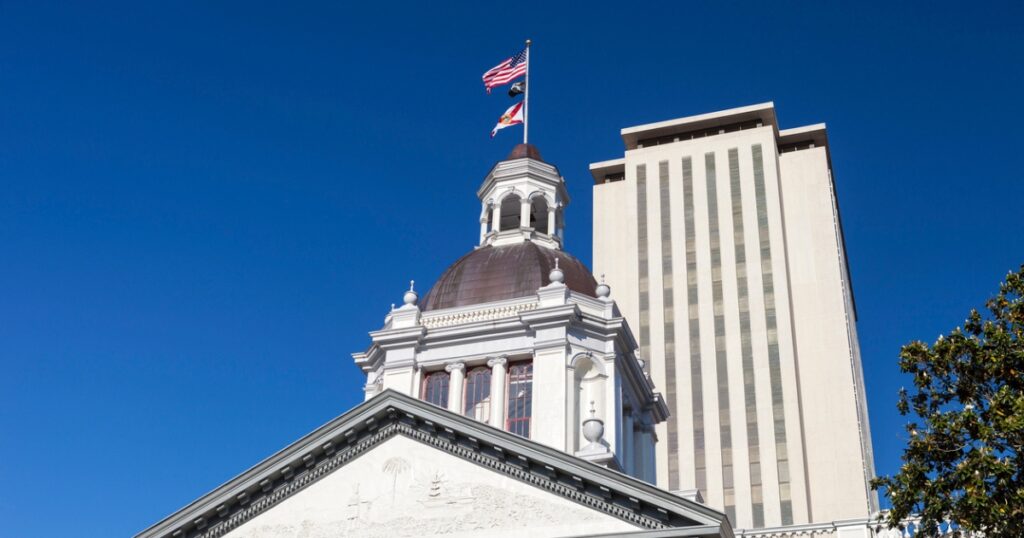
(366, 417)
(603, 168)
(763, 111)
(611, 163)
(813, 128)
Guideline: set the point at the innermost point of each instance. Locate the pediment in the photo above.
(403, 487)
(398, 466)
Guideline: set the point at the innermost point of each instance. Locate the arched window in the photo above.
(435, 388)
(511, 209)
(539, 214)
(520, 398)
(478, 394)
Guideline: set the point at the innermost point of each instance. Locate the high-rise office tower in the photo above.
(721, 235)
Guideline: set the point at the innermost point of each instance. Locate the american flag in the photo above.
(506, 71)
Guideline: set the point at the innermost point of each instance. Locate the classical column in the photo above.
(498, 383)
(483, 228)
(626, 451)
(457, 371)
(524, 213)
(551, 221)
(647, 471)
(560, 230)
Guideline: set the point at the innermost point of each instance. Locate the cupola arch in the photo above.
(510, 211)
(542, 212)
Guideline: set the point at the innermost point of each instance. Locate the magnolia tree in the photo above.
(966, 434)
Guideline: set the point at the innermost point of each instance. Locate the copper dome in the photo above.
(496, 273)
(524, 151)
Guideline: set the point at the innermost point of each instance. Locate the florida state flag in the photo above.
(512, 116)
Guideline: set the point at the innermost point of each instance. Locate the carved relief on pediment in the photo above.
(403, 488)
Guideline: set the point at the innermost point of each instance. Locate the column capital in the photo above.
(500, 360)
(451, 366)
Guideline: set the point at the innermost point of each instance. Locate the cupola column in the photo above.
(457, 371)
(551, 221)
(483, 228)
(524, 213)
(626, 456)
(498, 383)
(496, 217)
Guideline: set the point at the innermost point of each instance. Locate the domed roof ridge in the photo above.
(495, 273)
(522, 151)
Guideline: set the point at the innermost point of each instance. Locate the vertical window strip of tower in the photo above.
(643, 279)
(668, 309)
(771, 325)
(721, 356)
(743, 296)
(693, 315)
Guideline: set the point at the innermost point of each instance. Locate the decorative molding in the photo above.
(454, 366)
(500, 360)
(473, 316)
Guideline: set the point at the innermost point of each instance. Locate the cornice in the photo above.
(389, 414)
(390, 338)
(551, 316)
(524, 169)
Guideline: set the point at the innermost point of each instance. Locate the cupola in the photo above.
(522, 199)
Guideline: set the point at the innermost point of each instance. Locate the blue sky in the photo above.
(205, 208)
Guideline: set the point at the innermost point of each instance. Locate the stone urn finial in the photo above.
(593, 430)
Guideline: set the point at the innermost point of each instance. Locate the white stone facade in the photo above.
(583, 355)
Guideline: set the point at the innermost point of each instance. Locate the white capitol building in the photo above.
(709, 385)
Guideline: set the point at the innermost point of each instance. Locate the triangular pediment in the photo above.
(404, 488)
(397, 466)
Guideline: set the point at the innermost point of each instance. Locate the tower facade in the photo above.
(721, 234)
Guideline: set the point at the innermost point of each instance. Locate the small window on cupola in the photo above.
(511, 212)
(539, 214)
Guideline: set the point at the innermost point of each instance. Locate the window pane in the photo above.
(435, 389)
(520, 398)
(478, 394)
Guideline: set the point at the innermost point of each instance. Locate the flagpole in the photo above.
(526, 95)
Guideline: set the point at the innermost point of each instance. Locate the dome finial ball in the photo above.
(556, 274)
(603, 290)
(411, 296)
